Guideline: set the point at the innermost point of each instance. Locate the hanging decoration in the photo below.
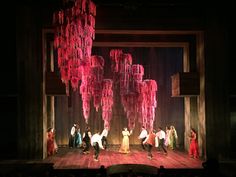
(73, 38)
(138, 97)
(85, 87)
(97, 64)
(115, 55)
(149, 103)
(107, 101)
(74, 32)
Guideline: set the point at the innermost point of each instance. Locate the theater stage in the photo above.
(68, 158)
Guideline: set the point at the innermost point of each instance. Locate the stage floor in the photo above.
(68, 158)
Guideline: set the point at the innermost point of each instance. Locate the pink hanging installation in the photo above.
(97, 64)
(141, 100)
(115, 55)
(125, 63)
(73, 37)
(138, 97)
(136, 87)
(149, 103)
(91, 83)
(75, 73)
(107, 101)
(137, 72)
(85, 87)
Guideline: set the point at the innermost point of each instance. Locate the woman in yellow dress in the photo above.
(173, 138)
(125, 141)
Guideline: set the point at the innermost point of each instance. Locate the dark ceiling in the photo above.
(124, 3)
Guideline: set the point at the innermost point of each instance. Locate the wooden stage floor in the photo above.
(68, 158)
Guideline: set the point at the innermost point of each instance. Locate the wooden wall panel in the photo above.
(30, 130)
(185, 84)
(54, 85)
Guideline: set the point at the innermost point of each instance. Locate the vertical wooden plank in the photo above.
(44, 97)
(201, 99)
(186, 68)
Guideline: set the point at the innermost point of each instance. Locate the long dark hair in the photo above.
(194, 131)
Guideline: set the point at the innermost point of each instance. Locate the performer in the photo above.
(55, 143)
(150, 141)
(125, 141)
(173, 138)
(51, 149)
(96, 142)
(104, 137)
(161, 139)
(86, 138)
(72, 136)
(143, 136)
(193, 148)
(167, 139)
(78, 139)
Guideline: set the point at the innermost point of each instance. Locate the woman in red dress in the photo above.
(193, 148)
(50, 142)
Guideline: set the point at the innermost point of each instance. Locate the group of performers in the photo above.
(161, 139)
(86, 140)
(153, 139)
